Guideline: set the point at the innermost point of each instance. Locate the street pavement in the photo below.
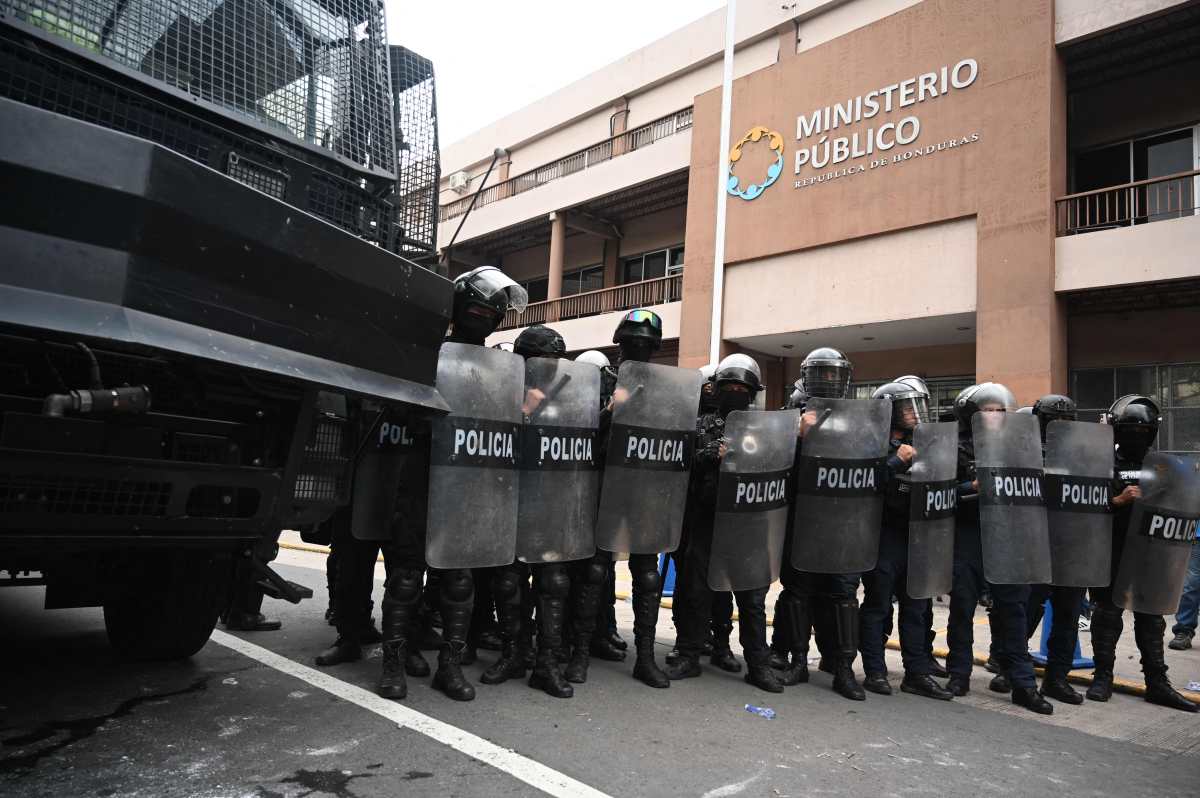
(257, 719)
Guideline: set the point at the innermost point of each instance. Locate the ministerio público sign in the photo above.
(821, 157)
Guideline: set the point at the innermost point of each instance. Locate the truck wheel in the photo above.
(169, 605)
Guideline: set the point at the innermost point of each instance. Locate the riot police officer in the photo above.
(593, 627)
(910, 406)
(638, 335)
(481, 298)
(1008, 601)
(552, 582)
(827, 603)
(1066, 602)
(736, 380)
(1135, 421)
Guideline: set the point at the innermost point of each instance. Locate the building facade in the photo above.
(966, 190)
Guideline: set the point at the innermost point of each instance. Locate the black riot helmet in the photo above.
(481, 298)
(733, 371)
(639, 335)
(538, 340)
(1135, 420)
(962, 413)
(825, 373)
(987, 397)
(1027, 410)
(916, 382)
(910, 406)
(1054, 407)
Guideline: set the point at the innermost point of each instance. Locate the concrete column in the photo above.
(558, 253)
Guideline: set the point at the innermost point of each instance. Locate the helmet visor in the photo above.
(490, 282)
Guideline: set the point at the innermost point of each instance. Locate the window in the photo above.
(1176, 387)
(650, 265)
(590, 278)
(536, 289)
(1141, 159)
(942, 392)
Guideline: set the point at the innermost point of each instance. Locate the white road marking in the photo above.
(737, 788)
(533, 773)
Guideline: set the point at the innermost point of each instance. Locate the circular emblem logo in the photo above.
(752, 190)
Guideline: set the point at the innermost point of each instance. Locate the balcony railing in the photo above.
(1153, 200)
(658, 291)
(606, 150)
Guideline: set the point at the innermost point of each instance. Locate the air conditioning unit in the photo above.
(460, 182)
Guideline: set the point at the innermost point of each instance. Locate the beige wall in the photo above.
(1077, 19)
(909, 274)
(1167, 250)
(654, 231)
(581, 250)
(1007, 179)
(840, 20)
(595, 332)
(953, 360)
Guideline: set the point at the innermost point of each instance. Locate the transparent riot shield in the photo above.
(840, 479)
(752, 499)
(1012, 511)
(1078, 480)
(473, 478)
(645, 483)
(560, 476)
(931, 512)
(1162, 531)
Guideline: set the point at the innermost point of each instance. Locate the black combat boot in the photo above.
(601, 647)
(1056, 686)
(414, 664)
(456, 615)
(780, 647)
(937, 669)
(877, 683)
(760, 675)
(369, 634)
(511, 664)
(958, 684)
(845, 683)
(553, 586)
(722, 655)
(1182, 641)
(1148, 631)
(392, 683)
(1032, 700)
(645, 619)
(924, 685)
(1106, 630)
(797, 627)
(1000, 683)
(343, 649)
(583, 627)
(685, 666)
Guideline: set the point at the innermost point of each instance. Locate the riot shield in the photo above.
(931, 511)
(473, 478)
(1012, 511)
(839, 482)
(1078, 480)
(560, 476)
(377, 476)
(649, 456)
(1162, 531)
(752, 499)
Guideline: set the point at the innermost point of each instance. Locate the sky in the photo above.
(493, 58)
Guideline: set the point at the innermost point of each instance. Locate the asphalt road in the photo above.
(76, 722)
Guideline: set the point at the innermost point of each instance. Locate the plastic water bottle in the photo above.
(762, 712)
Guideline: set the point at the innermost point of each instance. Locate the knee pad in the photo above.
(594, 572)
(457, 585)
(505, 584)
(647, 580)
(553, 581)
(403, 584)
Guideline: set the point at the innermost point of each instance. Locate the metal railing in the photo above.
(646, 293)
(1154, 200)
(605, 151)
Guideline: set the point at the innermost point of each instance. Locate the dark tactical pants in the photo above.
(890, 578)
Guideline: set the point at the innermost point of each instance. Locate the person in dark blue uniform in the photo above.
(1008, 601)
(910, 406)
(1135, 420)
